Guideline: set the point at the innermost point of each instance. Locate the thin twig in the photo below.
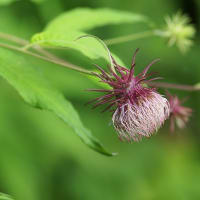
(54, 59)
(65, 64)
(174, 86)
(128, 38)
(26, 45)
(13, 38)
(46, 55)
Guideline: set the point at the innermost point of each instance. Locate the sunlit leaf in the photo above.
(37, 92)
(83, 19)
(89, 47)
(66, 28)
(5, 197)
(38, 1)
(6, 2)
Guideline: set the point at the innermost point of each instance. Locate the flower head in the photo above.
(179, 31)
(139, 111)
(178, 113)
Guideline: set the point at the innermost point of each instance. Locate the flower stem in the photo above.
(46, 55)
(13, 38)
(175, 86)
(54, 59)
(130, 37)
(59, 62)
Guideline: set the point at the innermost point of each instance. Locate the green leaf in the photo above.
(38, 1)
(5, 197)
(84, 19)
(6, 2)
(66, 28)
(89, 47)
(37, 92)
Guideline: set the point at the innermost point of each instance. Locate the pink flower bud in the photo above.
(178, 113)
(139, 111)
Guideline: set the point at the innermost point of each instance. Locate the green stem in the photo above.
(53, 59)
(26, 45)
(46, 55)
(13, 38)
(127, 38)
(59, 62)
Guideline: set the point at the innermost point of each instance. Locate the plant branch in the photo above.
(174, 86)
(25, 45)
(54, 59)
(13, 38)
(46, 55)
(59, 62)
(130, 37)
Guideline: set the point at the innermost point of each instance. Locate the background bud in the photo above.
(179, 114)
(179, 31)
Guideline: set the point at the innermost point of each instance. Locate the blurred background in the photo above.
(42, 159)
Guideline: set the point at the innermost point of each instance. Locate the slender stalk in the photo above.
(175, 86)
(53, 59)
(65, 64)
(13, 38)
(128, 38)
(105, 47)
(26, 45)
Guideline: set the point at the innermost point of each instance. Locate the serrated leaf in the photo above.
(37, 92)
(5, 197)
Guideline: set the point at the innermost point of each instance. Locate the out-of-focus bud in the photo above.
(179, 114)
(179, 31)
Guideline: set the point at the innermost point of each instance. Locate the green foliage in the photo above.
(37, 92)
(57, 34)
(6, 2)
(38, 1)
(5, 197)
(63, 32)
(87, 46)
(41, 157)
(66, 28)
(83, 19)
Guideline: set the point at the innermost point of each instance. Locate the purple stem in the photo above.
(173, 86)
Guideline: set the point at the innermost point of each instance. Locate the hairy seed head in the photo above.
(139, 111)
(141, 119)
